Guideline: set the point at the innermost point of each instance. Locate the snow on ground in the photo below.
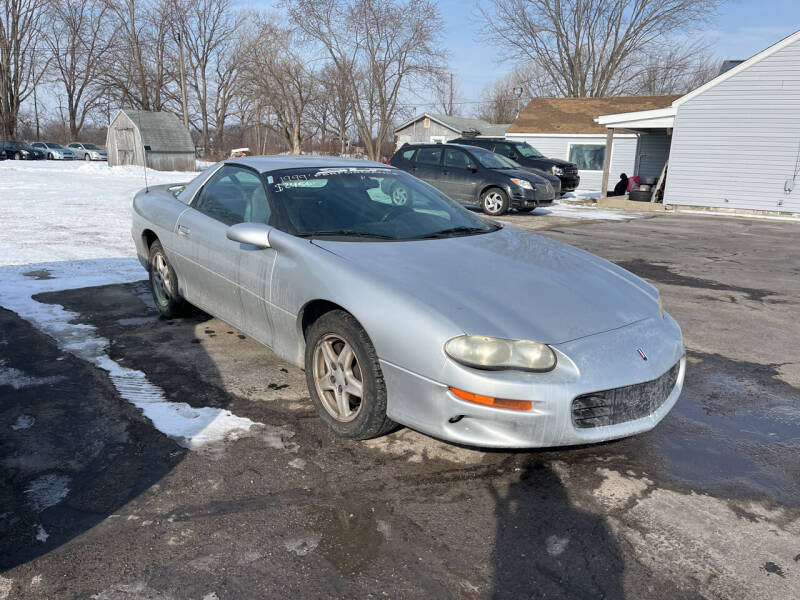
(69, 210)
(67, 226)
(582, 195)
(582, 211)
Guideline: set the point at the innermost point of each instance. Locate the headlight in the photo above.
(483, 352)
(523, 183)
(24, 152)
(94, 155)
(557, 170)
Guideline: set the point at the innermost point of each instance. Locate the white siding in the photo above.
(737, 143)
(623, 155)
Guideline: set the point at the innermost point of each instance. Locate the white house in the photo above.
(565, 128)
(735, 141)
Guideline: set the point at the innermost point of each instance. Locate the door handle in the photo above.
(183, 230)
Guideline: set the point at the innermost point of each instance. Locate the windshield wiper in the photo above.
(452, 230)
(345, 232)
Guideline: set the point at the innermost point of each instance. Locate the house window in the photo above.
(588, 157)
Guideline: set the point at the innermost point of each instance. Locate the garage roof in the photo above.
(577, 115)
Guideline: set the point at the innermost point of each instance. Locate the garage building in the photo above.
(429, 128)
(155, 139)
(735, 141)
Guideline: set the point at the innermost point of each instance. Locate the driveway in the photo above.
(96, 502)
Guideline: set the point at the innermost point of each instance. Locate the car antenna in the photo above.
(144, 152)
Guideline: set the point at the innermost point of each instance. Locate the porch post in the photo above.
(607, 161)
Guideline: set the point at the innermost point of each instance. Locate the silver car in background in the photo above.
(54, 151)
(423, 314)
(87, 151)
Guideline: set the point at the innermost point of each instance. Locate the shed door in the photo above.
(125, 150)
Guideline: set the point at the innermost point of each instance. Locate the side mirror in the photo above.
(252, 234)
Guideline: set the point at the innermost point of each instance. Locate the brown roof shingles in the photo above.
(577, 115)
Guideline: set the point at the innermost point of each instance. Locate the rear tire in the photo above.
(494, 202)
(344, 377)
(164, 283)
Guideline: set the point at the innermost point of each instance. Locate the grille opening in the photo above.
(620, 405)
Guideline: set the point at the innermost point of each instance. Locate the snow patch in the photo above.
(582, 211)
(23, 422)
(556, 545)
(47, 490)
(5, 587)
(41, 534)
(302, 545)
(19, 380)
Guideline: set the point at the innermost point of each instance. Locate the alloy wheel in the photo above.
(493, 202)
(161, 285)
(338, 378)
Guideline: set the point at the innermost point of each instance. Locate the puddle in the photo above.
(350, 538)
(746, 426)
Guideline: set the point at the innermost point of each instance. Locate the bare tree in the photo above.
(677, 70)
(208, 27)
(334, 107)
(379, 47)
(78, 39)
(505, 97)
(278, 75)
(591, 47)
(20, 27)
(127, 70)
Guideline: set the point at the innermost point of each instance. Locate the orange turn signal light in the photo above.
(489, 401)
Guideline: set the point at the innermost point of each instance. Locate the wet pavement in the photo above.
(95, 502)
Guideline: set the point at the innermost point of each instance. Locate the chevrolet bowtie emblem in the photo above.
(641, 353)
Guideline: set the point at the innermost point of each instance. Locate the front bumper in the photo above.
(599, 362)
(569, 183)
(524, 198)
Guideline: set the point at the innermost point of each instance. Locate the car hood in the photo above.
(508, 283)
(523, 173)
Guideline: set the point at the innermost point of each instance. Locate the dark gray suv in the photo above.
(473, 176)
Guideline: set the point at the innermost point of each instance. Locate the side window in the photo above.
(429, 156)
(456, 158)
(407, 154)
(234, 195)
(505, 149)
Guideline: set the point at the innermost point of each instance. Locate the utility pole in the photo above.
(450, 103)
(36, 112)
(183, 83)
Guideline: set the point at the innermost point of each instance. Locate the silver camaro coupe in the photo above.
(420, 313)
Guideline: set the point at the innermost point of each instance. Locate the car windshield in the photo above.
(25, 146)
(491, 160)
(92, 147)
(54, 146)
(361, 203)
(528, 151)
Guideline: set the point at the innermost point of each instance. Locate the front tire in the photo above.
(344, 377)
(87, 157)
(494, 202)
(17, 156)
(49, 156)
(164, 283)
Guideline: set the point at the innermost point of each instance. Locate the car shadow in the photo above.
(545, 546)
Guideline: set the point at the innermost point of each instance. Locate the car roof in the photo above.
(264, 164)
